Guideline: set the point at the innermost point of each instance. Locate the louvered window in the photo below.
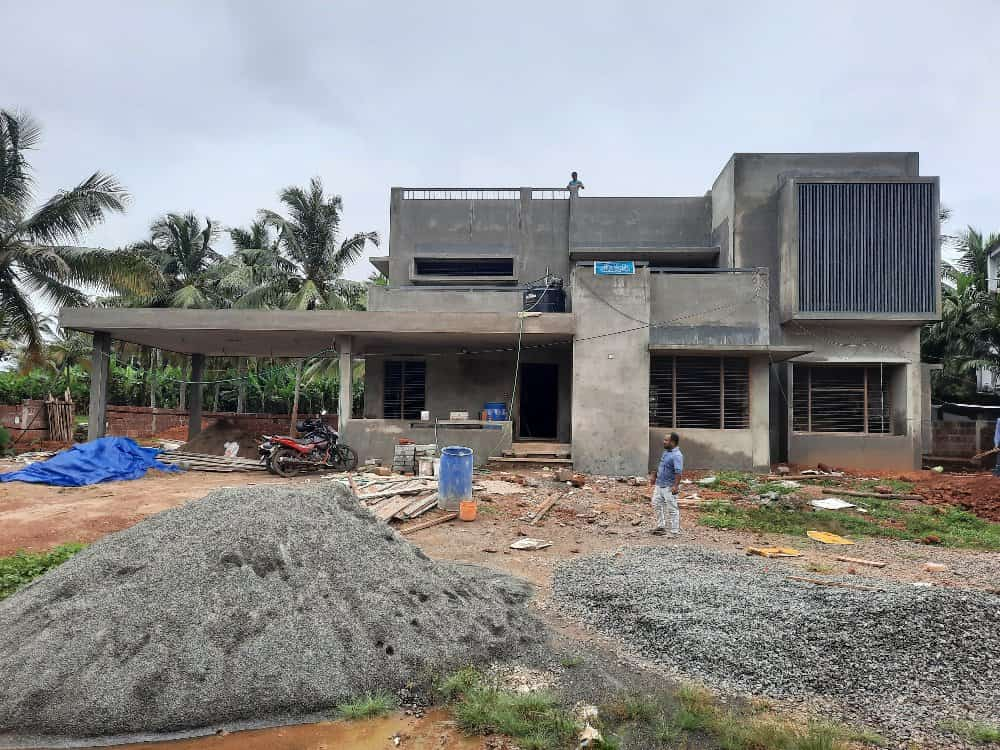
(699, 393)
(841, 398)
(404, 390)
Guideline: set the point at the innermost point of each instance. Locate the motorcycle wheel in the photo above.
(280, 467)
(343, 458)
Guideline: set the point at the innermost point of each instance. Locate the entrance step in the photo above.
(531, 460)
(538, 448)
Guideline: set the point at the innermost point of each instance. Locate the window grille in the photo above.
(404, 389)
(841, 398)
(708, 393)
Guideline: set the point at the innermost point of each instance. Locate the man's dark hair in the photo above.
(573, 175)
(676, 438)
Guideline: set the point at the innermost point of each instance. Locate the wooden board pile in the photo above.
(406, 458)
(395, 498)
(207, 462)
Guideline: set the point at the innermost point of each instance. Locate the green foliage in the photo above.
(629, 707)
(370, 706)
(974, 731)
(571, 661)
(6, 443)
(458, 683)
(536, 720)
(22, 568)
(955, 527)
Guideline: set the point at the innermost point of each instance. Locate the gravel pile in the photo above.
(903, 658)
(252, 604)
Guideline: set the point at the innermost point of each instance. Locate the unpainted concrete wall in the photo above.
(715, 308)
(723, 211)
(419, 299)
(707, 449)
(641, 222)
(533, 232)
(611, 373)
(377, 438)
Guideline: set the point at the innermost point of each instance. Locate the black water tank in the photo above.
(545, 296)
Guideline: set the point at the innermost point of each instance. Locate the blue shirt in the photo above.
(671, 466)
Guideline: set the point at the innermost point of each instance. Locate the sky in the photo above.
(214, 106)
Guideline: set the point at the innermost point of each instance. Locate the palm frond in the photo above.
(352, 250)
(65, 216)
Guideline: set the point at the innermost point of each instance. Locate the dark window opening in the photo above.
(404, 389)
(708, 393)
(841, 398)
(463, 266)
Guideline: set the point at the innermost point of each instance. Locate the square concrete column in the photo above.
(195, 394)
(98, 417)
(345, 404)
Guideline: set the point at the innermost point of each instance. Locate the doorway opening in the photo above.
(539, 401)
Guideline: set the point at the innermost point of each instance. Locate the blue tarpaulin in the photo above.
(103, 460)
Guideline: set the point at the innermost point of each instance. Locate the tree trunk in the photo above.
(154, 367)
(241, 385)
(182, 397)
(295, 401)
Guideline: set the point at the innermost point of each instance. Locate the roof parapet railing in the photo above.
(481, 194)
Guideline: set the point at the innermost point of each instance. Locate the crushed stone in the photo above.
(251, 604)
(903, 658)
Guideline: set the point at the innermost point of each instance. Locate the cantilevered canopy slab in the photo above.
(776, 353)
(292, 333)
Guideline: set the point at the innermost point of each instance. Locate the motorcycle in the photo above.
(317, 447)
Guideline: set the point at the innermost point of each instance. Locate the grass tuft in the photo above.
(22, 568)
(458, 683)
(629, 707)
(370, 706)
(536, 720)
(571, 661)
(974, 731)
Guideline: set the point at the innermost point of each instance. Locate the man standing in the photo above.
(667, 480)
(996, 444)
(574, 185)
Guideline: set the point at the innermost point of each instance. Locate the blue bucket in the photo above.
(455, 478)
(496, 411)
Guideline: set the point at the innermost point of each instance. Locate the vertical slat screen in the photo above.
(867, 247)
(707, 393)
(404, 389)
(841, 398)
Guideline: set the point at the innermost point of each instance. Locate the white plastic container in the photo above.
(425, 467)
(425, 416)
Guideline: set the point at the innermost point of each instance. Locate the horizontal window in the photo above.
(841, 398)
(404, 389)
(491, 267)
(699, 393)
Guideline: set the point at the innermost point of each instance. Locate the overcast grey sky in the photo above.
(214, 106)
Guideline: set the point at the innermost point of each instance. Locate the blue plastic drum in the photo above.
(455, 478)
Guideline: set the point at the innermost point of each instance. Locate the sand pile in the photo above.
(212, 440)
(255, 603)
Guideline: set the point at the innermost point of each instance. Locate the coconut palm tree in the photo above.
(309, 236)
(181, 248)
(40, 256)
(973, 253)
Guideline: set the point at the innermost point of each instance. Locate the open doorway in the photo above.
(539, 399)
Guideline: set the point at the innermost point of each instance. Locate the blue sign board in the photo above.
(614, 267)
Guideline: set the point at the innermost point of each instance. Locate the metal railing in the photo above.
(482, 194)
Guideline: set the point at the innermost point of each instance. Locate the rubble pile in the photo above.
(896, 655)
(253, 604)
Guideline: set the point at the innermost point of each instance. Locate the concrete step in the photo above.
(531, 460)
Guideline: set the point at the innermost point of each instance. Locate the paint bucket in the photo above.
(467, 510)
(455, 479)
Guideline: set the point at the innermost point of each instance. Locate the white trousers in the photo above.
(663, 501)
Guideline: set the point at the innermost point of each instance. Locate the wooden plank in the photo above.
(403, 490)
(859, 561)
(838, 584)
(543, 510)
(389, 507)
(427, 524)
(886, 495)
(528, 460)
(418, 506)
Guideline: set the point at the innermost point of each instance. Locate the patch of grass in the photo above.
(571, 661)
(974, 731)
(458, 683)
(629, 707)
(22, 568)
(370, 706)
(886, 518)
(535, 720)
(817, 567)
(896, 485)
(733, 481)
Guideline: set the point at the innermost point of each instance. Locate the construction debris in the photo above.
(774, 551)
(427, 524)
(169, 624)
(209, 462)
(406, 458)
(540, 513)
(860, 561)
(831, 503)
(528, 543)
(826, 537)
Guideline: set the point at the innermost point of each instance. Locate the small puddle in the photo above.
(432, 732)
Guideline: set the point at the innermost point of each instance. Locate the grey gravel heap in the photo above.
(251, 604)
(905, 656)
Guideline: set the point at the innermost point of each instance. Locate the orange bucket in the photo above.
(467, 510)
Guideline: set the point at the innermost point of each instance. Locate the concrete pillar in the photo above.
(194, 398)
(344, 406)
(760, 413)
(98, 417)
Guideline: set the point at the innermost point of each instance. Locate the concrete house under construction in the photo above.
(776, 317)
